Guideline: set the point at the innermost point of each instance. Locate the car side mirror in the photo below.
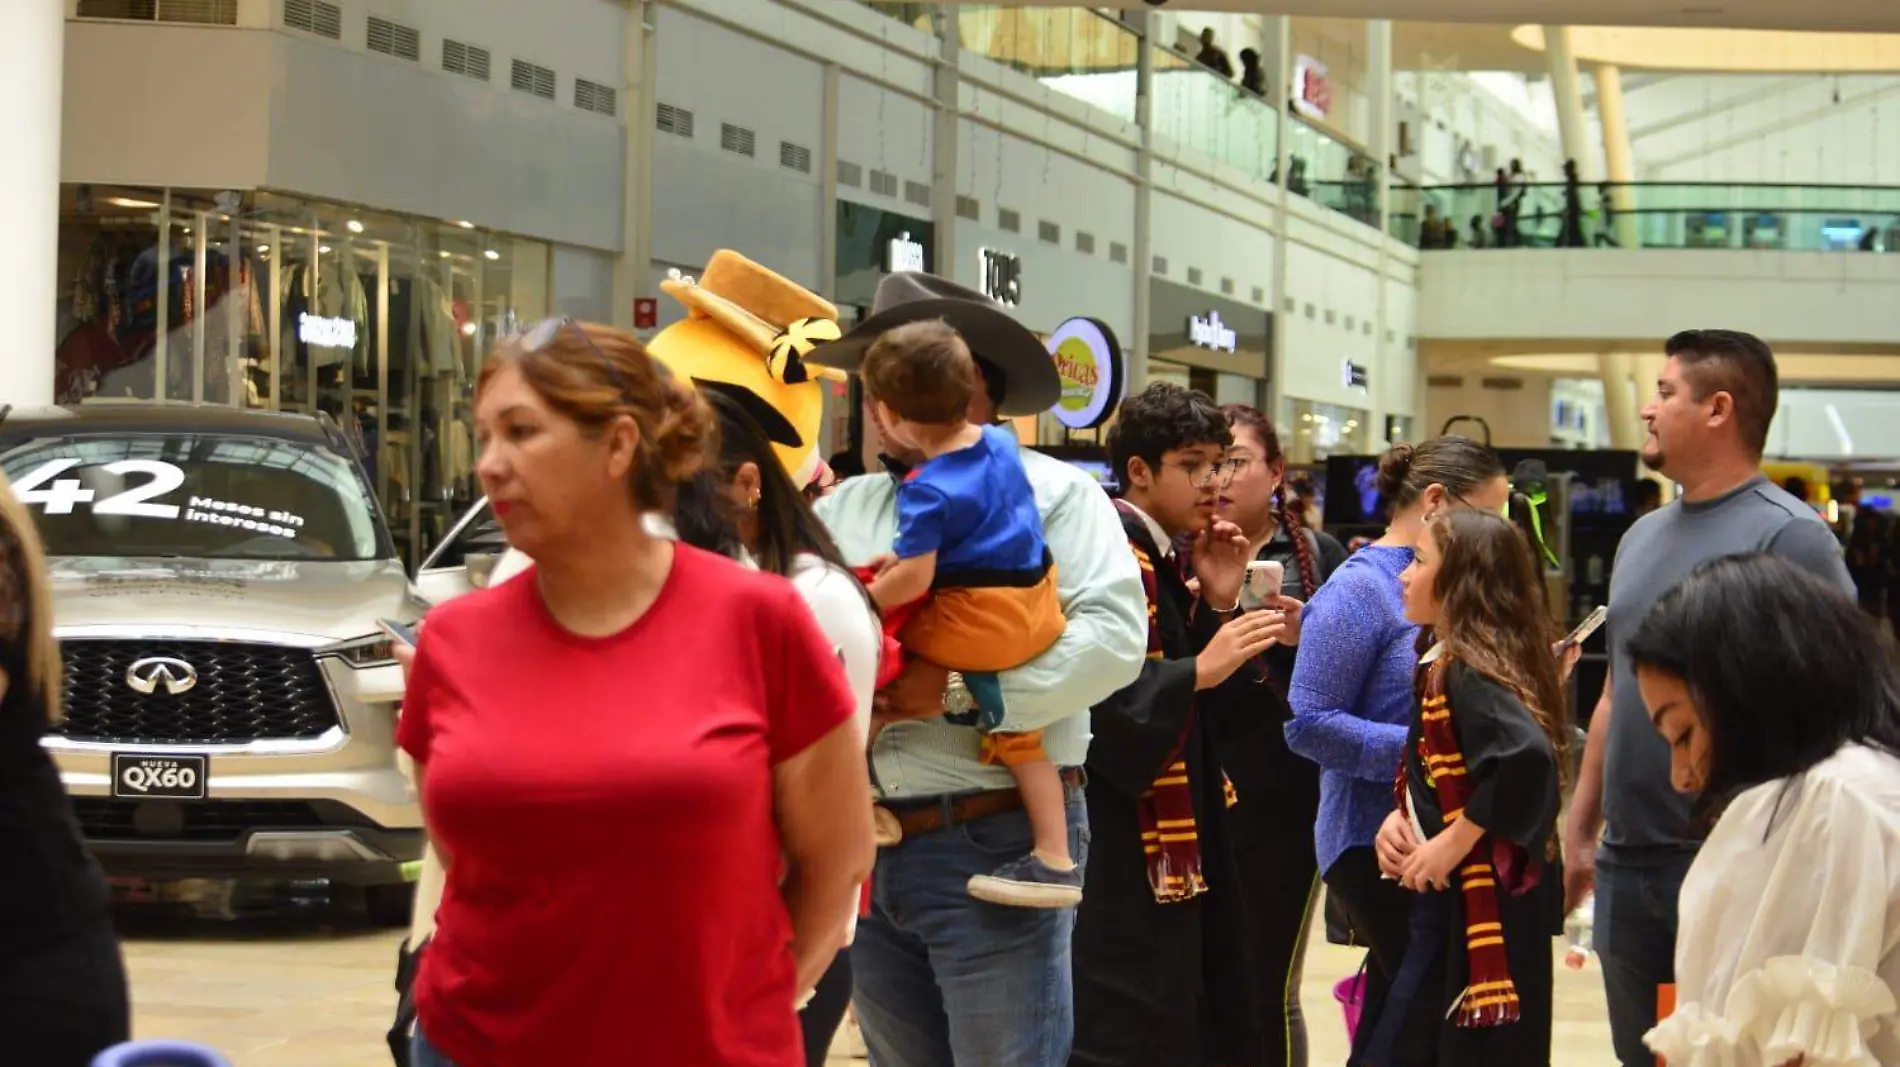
(480, 567)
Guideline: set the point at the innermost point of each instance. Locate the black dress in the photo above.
(1158, 985)
(1515, 795)
(62, 983)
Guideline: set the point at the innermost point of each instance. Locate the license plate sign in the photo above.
(139, 776)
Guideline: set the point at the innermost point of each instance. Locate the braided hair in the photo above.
(1243, 417)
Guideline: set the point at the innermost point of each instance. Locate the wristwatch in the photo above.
(957, 698)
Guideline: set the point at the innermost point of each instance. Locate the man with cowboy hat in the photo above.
(940, 976)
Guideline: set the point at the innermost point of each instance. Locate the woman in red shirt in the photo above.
(636, 759)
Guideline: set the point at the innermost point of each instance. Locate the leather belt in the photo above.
(917, 818)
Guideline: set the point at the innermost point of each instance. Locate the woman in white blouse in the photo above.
(1780, 702)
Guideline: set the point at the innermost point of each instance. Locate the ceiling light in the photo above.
(323, 250)
(126, 201)
(444, 253)
(468, 329)
(354, 226)
(465, 224)
(263, 248)
(491, 253)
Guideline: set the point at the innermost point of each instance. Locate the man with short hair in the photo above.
(1708, 426)
(941, 977)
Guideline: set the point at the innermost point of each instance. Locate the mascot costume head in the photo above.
(746, 334)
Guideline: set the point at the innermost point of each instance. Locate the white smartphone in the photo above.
(1590, 624)
(1265, 578)
(404, 632)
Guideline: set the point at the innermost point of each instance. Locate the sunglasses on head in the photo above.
(539, 335)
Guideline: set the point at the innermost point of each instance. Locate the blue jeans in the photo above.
(423, 1054)
(1635, 938)
(945, 980)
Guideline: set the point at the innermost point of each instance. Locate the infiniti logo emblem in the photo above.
(153, 673)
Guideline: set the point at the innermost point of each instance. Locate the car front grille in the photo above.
(243, 693)
(102, 819)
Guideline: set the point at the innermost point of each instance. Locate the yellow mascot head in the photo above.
(746, 334)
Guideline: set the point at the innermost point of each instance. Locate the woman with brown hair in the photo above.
(1276, 792)
(637, 758)
(62, 982)
(1474, 834)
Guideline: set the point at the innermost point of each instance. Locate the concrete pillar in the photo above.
(1563, 84)
(32, 66)
(1135, 349)
(1279, 64)
(1620, 402)
(1618, 160)
(1379, 85)
(633, 272)
(945, 144)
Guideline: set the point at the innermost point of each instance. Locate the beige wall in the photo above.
(1519, 418)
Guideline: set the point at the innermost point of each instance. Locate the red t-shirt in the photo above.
(607, 805)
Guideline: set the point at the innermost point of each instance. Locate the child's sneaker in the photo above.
(1029, 883)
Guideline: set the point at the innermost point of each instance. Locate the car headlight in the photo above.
(376, 650)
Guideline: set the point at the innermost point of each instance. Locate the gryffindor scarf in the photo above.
(1170, 837)
(1489, 997)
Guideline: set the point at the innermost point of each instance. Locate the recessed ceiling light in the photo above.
(263, 248)
(126, 201)
(444, 253)
(468, 329)
(354, 226)
(465, 224)
(323, 250)
(491, 253)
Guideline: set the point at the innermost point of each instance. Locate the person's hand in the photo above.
(916, 693)
(404, 652)
(1220, 556)
(1580, 870)
(1395, 842)
(1236, 642)
(1291, 612)
(1430, 865)
(1567, 653)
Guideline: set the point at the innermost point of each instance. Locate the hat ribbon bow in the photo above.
(785, 359)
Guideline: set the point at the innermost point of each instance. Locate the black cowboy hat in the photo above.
(1030, 385)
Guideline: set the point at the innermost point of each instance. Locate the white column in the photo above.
(1279, 63)
(1563, 84)
(1379, 84)
(633, 272)
(1619, 399)
(32, 65)
(1618, 160)
(945, 143)
(1135, 349)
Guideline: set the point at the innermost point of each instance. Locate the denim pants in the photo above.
(423, 1054)
(942, 979)
(1635, 939)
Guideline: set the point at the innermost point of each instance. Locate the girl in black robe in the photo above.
(1478, 798)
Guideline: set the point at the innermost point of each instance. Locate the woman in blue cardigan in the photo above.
(1352, 687)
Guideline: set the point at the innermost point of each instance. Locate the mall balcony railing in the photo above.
(1703, 215)
(1092, 56)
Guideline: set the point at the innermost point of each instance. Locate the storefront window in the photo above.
(1322, 430)
(377, 320)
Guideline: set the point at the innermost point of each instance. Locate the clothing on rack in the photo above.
(331, 294)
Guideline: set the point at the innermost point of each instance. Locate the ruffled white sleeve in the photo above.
(1786, 943)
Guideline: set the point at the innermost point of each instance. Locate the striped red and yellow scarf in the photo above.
(1170, 837)
(1489, 997)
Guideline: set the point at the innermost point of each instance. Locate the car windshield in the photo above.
(196, 496)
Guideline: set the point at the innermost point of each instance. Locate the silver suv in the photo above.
(230, 699)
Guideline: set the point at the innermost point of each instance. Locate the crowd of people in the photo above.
(1095, 757)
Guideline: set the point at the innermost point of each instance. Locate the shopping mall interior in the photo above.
(1374, 221)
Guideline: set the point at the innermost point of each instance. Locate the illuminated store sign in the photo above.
(1093, 371)
(1211, 332)
(903, 254)
(1002, 276)
(326, 332)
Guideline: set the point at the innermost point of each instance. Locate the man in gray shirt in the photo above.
(1708, 425)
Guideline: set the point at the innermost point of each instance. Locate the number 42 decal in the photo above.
(63, 494)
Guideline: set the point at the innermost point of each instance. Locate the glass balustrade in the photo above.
(1198, 109)
(1075, 51)
(1793, 218)
(1331, 173)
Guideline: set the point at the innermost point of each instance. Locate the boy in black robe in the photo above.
(1160, 980)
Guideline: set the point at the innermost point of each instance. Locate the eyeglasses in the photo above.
(1504, 509)
(1206, 475)
(538, 336)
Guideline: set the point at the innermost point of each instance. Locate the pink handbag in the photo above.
(1351, 994)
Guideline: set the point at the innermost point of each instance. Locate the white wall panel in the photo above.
(573, 37)
(1001, 171)
(1193, 238)
(1808, 297)
(1333, 302)
(705, 200)
(880, 130)
(1792, 129)
(1057, 282)
(723, 76)
(583, 283)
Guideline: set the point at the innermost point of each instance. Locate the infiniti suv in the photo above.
(230, 701)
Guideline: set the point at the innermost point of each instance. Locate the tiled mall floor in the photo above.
(314, 991)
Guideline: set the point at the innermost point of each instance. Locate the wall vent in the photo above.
(1009, 221)
(1259, 295)
(314, 16)
(1227, 286)
(470, 61)
(1505, 384)
(595, 97)
(968, 207)
(850, 174)
(675, 120)
(1331, 316)
(794, 157)
(1390, 337)
(1117, 252)
(738, 140)
(1085, 243)
(1194, 275)
(395, 39)
(916, 193)
(1351, 323)
(1160, 265)
(532, 79)
(1292, 305)
(884, 183)
(1444, 381)
(1312, 312)
(200, 12)
(1368, 328)
(1049, 232)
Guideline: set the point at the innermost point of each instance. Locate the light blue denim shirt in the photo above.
(1099, 653)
